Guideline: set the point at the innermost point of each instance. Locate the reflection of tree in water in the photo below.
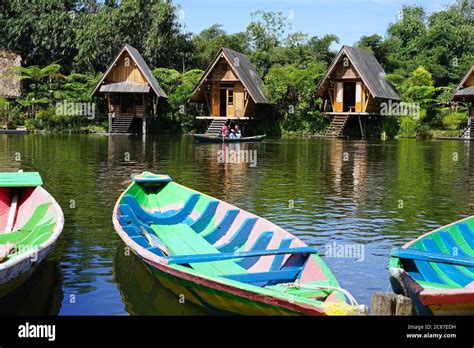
(39, 294)
(470, 174)
(142, 293)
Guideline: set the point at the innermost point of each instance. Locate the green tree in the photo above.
(39, 86)
(291, 90)
(208, 42)
(179, 87)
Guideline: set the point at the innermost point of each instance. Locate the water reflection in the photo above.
(37, 294)
(142, 293)
(379, 194)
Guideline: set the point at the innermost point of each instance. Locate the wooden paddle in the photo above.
(433, 257)
(154, 242)
(12, 212)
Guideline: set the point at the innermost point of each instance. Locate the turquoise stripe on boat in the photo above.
(206, 217)
(467, 234)
(260, 244)
(240, 237)
(452, 271)
(278, 260)
(219, 231)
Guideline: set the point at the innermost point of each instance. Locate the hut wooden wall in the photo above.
(470, 81)
(222, 72)
(122, 73)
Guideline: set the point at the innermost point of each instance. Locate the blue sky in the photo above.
(348, 19)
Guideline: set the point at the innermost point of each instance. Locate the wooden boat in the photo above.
(19, 130)
(437, 270)
(30, 224)
(206, 138)
(222, 257)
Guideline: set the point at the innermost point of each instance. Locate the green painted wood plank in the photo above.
(181, 239)
(20, 179)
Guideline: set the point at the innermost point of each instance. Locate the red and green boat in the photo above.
(437, 270)
(30, 224)
(221, 257)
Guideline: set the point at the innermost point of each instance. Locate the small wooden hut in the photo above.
(131, 91)
(465, 93)
(10, 84)
(354, 85)
(230, 89)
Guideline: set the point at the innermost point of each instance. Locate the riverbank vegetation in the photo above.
(65, 45)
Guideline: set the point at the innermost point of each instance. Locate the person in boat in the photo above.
(225, 131)
(237, 132)
(232, 134)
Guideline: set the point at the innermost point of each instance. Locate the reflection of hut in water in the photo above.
(228, 167)
(348, 165)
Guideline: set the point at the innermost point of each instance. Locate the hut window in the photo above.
(230, 98)
(127, 61)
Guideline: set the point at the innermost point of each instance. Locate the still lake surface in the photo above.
(331, 193)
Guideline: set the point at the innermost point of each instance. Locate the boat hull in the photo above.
(436, 285)
(204, 138)
(426, 302)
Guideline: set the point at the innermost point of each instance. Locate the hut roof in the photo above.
(462, 91)
(369, 70)
(10, 84)
(244, 70)
(126, 87)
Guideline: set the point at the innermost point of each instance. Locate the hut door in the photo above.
(230, 102)
(338, 97)
(223, 102)
(349, 96)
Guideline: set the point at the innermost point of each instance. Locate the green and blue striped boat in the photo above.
(221, 257)
(437, 270)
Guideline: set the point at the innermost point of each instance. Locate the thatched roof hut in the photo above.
(10, 84)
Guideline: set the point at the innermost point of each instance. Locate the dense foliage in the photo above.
(66, 44)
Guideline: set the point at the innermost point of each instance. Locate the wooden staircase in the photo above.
(468, 132)
(337, 126)
(122, 123)
(215, 127)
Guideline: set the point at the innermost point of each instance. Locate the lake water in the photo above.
(366, 196)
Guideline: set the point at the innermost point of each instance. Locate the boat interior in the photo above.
(26, 220)
(441, 259)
